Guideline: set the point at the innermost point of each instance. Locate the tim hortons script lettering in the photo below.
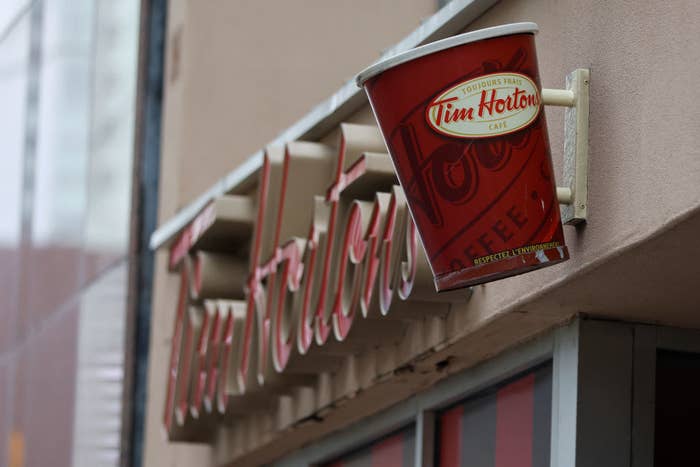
(358, 254)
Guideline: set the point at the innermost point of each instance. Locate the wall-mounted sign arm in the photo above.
(573, 194)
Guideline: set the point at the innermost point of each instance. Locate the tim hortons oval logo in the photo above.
(487, 106)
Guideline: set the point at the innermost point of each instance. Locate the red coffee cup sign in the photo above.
(465, 127)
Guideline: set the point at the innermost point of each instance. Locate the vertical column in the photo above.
(425, 439)
(592, 395)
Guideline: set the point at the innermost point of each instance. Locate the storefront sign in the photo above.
(331, 243)
(332, 249)
(465, 127)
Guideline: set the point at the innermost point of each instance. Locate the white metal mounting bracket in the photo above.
(573, 195)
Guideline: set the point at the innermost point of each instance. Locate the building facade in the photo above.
(295, 320)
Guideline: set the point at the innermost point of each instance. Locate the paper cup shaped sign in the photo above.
(465, 127)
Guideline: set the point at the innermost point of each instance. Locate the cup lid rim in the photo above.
(460, 39)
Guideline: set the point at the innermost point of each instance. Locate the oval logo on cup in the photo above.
(490, 105)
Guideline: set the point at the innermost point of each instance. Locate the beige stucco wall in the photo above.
(635, 259)
(250, 68)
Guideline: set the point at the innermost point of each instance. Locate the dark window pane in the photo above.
(508, 425)
(677, 408)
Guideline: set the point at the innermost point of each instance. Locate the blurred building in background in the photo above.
(68, 74)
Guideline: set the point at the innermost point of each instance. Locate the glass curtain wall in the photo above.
(67, 87)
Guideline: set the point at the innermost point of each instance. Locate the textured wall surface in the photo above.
(643, 154)
(242, 71)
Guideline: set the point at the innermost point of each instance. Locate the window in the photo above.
(504, 426)
(677, 408)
